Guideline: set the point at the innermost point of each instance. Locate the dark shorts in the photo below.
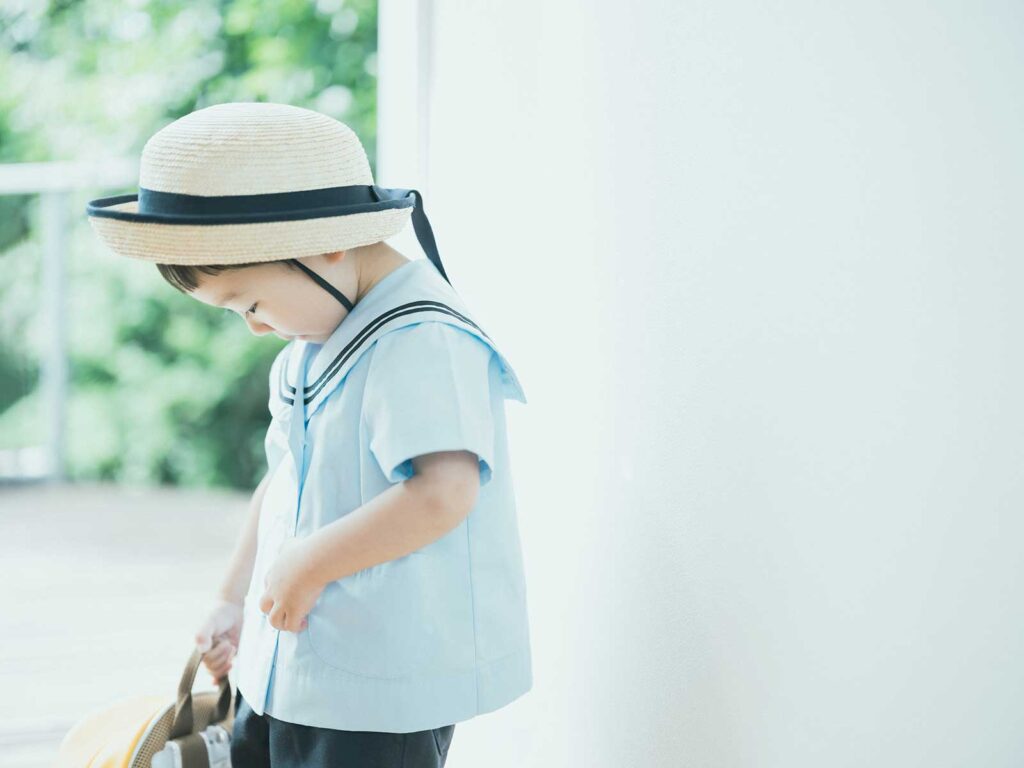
(262, 741)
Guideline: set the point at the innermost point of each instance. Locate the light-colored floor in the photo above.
(103, 587)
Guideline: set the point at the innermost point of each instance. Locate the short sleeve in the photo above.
(428, 389)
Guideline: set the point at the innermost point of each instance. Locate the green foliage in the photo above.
(163, 388)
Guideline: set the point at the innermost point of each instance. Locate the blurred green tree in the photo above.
(163, 389)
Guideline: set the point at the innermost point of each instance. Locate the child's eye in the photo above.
(229, 311)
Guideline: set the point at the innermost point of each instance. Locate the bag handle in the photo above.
(182, 725)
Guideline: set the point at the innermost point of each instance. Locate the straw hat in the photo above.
(249, 182)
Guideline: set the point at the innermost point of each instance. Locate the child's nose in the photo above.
(258, 328)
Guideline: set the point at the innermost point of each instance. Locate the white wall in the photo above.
(758, 267)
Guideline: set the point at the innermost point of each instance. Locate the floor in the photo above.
(103, 587)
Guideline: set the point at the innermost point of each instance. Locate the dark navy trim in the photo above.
(155, 207)
(339, 361)
(382, 318)
(177, 208)
(413, 307)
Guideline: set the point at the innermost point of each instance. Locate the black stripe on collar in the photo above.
(413, 307)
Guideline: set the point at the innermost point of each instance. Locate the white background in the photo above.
(758, 266)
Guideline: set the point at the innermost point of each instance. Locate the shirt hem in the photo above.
(318, 695)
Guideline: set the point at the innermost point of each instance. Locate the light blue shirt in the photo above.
(436, 636)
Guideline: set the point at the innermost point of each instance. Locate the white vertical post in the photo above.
(424, 80)
(53, 210)
(403, 102)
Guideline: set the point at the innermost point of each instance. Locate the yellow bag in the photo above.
(129, 732)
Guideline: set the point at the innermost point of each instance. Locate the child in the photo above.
(376, 595)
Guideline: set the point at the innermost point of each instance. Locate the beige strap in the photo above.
(193, 751)
(183, 725)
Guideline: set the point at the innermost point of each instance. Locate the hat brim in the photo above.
(192, 244)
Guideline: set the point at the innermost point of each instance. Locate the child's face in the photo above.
(272, 298)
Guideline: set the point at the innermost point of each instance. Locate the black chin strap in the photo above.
(326, 286)
(420, 224)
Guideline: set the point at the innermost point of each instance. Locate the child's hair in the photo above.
(185, 277)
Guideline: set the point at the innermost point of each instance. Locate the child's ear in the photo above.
(335, 256)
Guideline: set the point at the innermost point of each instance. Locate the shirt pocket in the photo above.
(408, 616)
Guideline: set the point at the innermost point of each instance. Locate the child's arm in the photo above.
(404, 518)
(219, 633)
(236, 581)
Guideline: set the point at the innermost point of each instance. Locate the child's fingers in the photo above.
(202, 639)
(204, 636)
(213, 662)
(220, 663)
(218, 653)
(219, 621)
(220, 672)
(219, 647)
(221, 668)
(226, 662)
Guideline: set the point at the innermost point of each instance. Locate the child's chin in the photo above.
(311, 337)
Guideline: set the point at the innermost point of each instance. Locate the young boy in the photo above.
(376, 594)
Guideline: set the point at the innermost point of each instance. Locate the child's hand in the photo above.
(290, 590)
(218, 637)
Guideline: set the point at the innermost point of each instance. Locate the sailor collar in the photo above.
(414, 293)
